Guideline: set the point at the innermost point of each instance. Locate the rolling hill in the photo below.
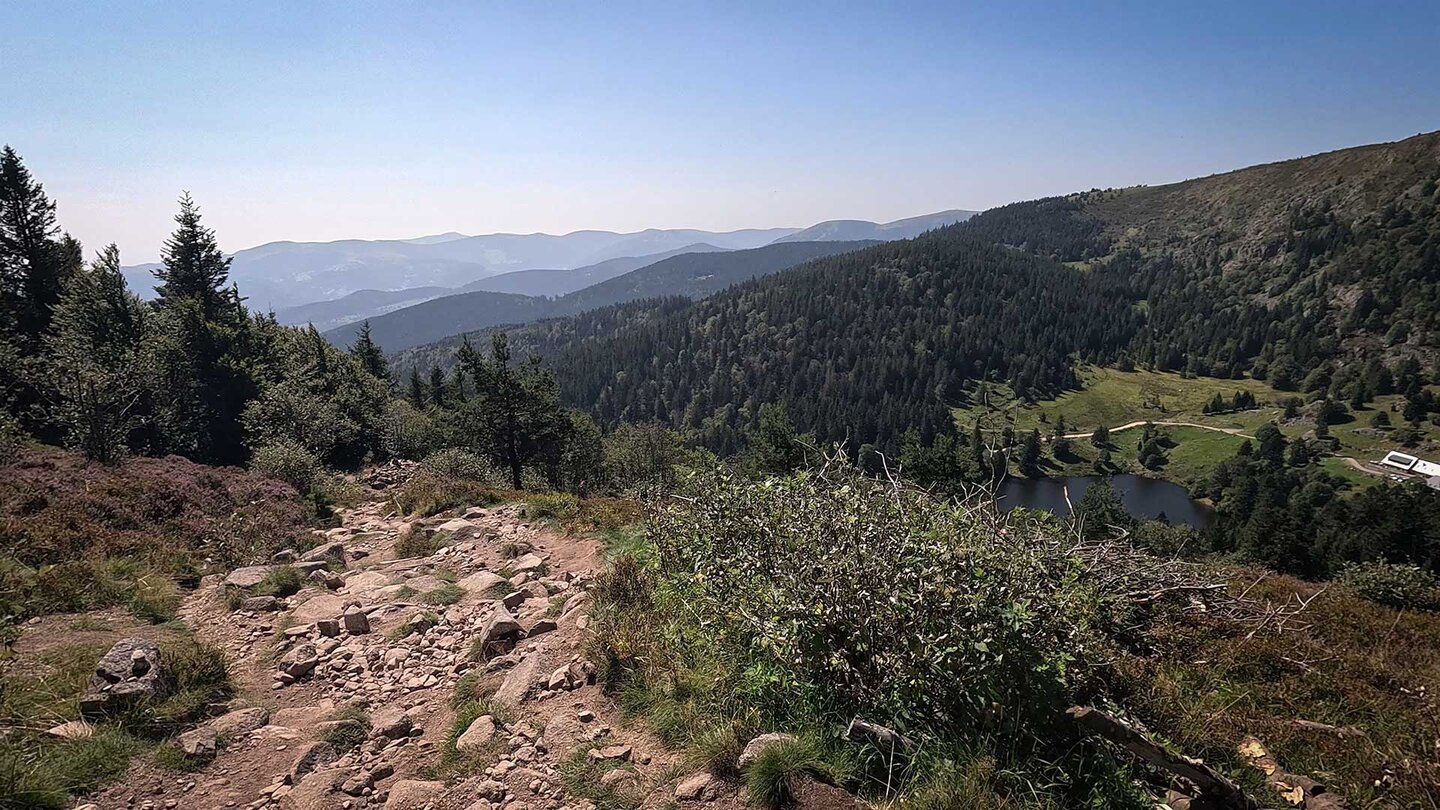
(843, 230)
(689, 274)
(1319, 275)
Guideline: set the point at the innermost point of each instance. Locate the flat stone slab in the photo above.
(249, 576)
(320, 606)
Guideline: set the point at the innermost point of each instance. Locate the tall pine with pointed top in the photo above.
(194, 268)
(35, 260)
(205, 353)
(368, 352)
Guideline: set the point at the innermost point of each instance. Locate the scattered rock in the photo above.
(481, 730)
(480, 582)
(391, 722)
(249, 576)
(413, 794)
(261, 604)
(283, 556)
(517, 683)
(330, 553)
(541, 627)
(527, 563)
(355, 621)
(129, 673)
(240, 721)
(696, 787)
(500, 631)
(300, 661)
(327, 579)
(329, 628)
(758, 744)
(610, 752)
(198, 743)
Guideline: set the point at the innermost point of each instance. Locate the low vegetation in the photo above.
(978, 633)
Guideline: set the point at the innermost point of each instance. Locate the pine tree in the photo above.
(438, 395)
(417, 389)
(1030, 453)
(369, 354)
(516, 413)
(1101, 437)
(194, 268)
(205, 348)
(34, 261)
(92, 355)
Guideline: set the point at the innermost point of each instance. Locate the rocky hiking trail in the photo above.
(397, 636)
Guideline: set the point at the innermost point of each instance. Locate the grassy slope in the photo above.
(1111, 397)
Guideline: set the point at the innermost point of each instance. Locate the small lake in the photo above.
(1143, 497)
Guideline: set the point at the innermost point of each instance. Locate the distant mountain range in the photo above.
(280, 275)
(693, 275)
(849, 230)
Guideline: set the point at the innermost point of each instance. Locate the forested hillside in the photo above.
(691, 274)
(1318, 275)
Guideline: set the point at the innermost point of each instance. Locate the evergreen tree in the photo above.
(34, 261)
(417, 389)
(438, 395)
(774, 446)
(1101, 513)
(205, 353)
(92, 355)
(194, 268)
(1030, 453)
(516, 413)
(1101, 437)
(369, 354)
(457, 385)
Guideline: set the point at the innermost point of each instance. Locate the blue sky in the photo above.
(316, 121)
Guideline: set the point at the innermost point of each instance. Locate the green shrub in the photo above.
(447, 594)
(1395, 585)
(419, 544)
(407, 432)
(282, 581)
(427, 494)
(288, 462)
(553, 505)
(350, 727)
(771, 777)
(463, 465)
(42, 774)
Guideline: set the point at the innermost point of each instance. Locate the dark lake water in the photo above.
(1143, 497)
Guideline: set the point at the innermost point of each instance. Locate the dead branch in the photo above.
(865, 731)
(1298, 790)
(1209, 783)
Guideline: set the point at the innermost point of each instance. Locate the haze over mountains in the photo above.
(285, 274)
(691, 275)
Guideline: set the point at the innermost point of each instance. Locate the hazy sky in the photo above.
(317, 121)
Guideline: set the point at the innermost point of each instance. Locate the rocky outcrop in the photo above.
(131, 673)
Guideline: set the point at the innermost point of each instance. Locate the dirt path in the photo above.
(493, 580)
(1142, 422)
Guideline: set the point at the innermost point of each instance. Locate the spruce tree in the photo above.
(438, 394)
(417, 389)
(369, 353)
(92, 350)
(516, 412)
(193, 266)
(35, 261)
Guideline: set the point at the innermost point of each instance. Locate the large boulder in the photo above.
(413, 794)
(480, 731)
(328, 553)
(757, 745)
(500, 632)
(241, 721)
(198, 743)
(249, 576)
(130, 673)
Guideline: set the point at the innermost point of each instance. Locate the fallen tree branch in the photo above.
(1300, 791)
(866, 731)
(1209, 783)
(1343, 732)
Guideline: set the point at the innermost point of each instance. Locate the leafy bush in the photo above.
(1393, 584)
(554, 505)
(427, 494)
(462, 465)
(288, 462)
(407, 432)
